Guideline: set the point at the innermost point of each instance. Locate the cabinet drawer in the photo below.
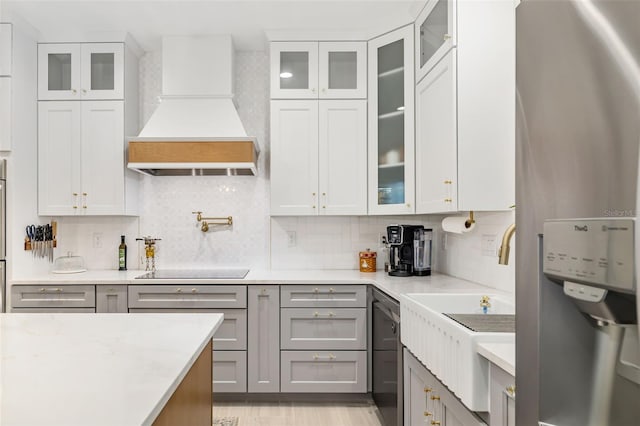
(324, 371)
(230, 336)
(229, 371)
(54, 310)
(323, 328)
(187, 296)
(311, 296)
(57, 296)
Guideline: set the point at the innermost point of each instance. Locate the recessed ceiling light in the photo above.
(286, 74)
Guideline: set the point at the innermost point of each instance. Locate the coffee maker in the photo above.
(409, 250)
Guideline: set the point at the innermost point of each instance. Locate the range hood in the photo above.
(195, 129)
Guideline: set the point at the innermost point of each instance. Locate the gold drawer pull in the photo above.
(329, 357)
(427, 390)
(316, 290)
(331, 290)
(58, 289)
(427, 414)
(178, 290)
(328, 314)
(435, 422)
(511, 390)
(194, 290)
(435, 398)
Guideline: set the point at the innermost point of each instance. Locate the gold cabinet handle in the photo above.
(74, 91)
(446, 36)
(328, 314)
(329, 357)
(435, 422)
(331, 290)
(435, 398)
(447, 182)
(427, 413)
(315, 290)
(194, 290)
(511, 390)
(427, 390)
(447, 200)
(178, 290)
(84, 90)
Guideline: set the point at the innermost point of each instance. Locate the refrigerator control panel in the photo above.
(598, 252)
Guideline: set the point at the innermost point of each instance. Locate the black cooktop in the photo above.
(194, 274)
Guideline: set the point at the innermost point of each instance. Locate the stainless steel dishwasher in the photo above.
(387, 358)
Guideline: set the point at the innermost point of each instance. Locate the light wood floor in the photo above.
(299, 413)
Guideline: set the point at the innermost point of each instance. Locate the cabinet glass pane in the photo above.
(294, 70)
(343, 70)
(391, 123)
(433, 30)
(102, 70)
(59, 75)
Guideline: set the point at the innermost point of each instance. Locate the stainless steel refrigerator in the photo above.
(578, 137)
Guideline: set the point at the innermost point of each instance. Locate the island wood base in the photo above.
(191, 403)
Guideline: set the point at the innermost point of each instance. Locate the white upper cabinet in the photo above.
(343, 70)
(318, 70)
(465, 122)
(6, 49)
(72, 71)
(294, 70)
(391, 123)
(6, 124)
(435, 34)
(318, 157)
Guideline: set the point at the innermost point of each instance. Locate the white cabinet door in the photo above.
(343, 157)
(435, 34)
(436, 145)
(6, 49)
(102, 71)
(294, 158)
(102, 189)
(58, 71)
(343, 70)
(294, 70)
(5, 114)
(391, 123)
(58, 162)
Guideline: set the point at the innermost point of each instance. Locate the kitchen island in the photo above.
(104, 369)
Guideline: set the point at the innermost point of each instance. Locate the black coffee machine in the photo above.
(409, 250)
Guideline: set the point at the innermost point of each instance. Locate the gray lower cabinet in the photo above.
(263, 346)
(187, 296)
(324, 371)
(324, 328)
(230, 336)
(502, 397)
(327, 296)
(111, 299)
(229, 371)
(58, 296)
(427, 401)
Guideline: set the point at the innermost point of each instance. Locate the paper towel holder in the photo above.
(469, 222)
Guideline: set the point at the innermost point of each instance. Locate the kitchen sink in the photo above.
(448, 348)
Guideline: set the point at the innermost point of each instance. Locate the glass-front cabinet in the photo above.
(435, 34)
(318, 70)
(391, 123)
(88, 71)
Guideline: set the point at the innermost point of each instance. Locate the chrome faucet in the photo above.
(503, 254)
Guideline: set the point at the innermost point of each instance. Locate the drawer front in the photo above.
(311, 296)
(230, 336)
(53, 296)
(324, 371)
(323, 328)
(229, 371)
(187, 296)
(54, 310)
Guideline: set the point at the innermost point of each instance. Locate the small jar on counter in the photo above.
(368, 261)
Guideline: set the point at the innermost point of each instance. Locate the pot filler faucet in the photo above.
(503, 254)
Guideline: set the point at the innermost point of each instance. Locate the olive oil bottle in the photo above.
(122, 255)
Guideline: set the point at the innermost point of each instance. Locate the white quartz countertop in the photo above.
(393, 286)
(501, 354)
(95, 369)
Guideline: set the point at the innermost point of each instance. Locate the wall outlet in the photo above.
(97, 240)
(488, 245)
(291, 238)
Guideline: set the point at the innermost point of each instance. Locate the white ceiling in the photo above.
(245, 20)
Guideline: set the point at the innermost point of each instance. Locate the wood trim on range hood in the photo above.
(189, 157)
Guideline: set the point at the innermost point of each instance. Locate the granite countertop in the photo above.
(501, 354)
(393, 286)
(97, 369)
